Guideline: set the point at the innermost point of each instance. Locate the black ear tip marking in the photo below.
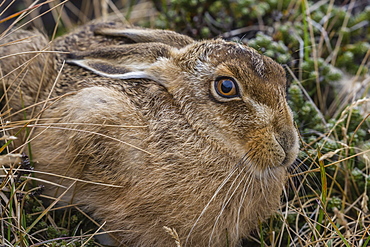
(73, 55)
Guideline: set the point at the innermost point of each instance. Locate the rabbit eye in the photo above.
(226, 87)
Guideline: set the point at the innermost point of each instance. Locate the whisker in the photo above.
(242, 199)
(298, 180)
(233, 170)
(228, 198)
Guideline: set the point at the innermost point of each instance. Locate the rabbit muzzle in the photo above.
(270, 148)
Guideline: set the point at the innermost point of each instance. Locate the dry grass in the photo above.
(326, 203)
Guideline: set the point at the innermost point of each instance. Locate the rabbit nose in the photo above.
(288, 140)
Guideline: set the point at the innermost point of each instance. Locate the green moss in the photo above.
(351, 57)
(268, 47)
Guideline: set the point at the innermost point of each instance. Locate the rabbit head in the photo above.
(227, 92)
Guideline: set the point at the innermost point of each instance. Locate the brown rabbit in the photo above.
(194, 136)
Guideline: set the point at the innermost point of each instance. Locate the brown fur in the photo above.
(181, 155)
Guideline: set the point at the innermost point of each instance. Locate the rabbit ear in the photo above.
(148, 35)
(124, 61)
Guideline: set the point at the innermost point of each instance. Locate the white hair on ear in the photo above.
(133, 75)
(127, 75)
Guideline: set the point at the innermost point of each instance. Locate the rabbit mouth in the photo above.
(289, 160)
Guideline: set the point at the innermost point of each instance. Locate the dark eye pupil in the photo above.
(227, 86)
